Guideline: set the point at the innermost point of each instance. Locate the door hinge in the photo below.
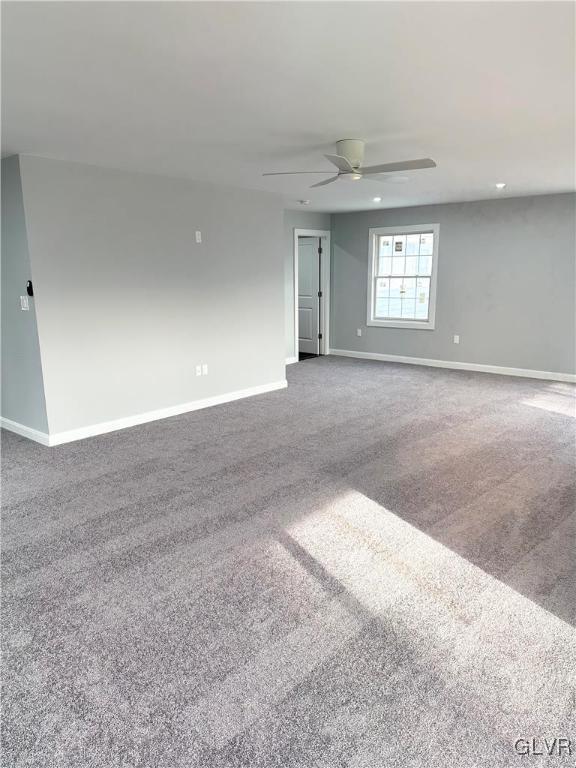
(319, 294)
(319, 335)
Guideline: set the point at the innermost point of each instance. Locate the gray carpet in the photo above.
(372, 569)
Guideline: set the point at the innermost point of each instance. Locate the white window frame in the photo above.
(374, 234)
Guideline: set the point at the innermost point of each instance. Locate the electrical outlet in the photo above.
(198, 370)
(24, 303)
(204, 369)
(456, 339)
(358, 331)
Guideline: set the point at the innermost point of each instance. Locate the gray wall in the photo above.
(506, 282)
(22, 386)
(128, 303)
(295, 220)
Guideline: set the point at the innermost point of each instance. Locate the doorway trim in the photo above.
(324, 287)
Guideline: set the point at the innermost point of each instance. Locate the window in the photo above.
(402, 276)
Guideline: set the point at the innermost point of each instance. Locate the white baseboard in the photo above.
(21, 429)
(455, 365)
(58, 438)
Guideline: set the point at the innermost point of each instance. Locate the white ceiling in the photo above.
(226, 91)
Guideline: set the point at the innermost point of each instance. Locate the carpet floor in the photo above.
(374, 568)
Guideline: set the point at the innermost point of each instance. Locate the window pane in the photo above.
(411, 265)
(394, 308)
(381, 308)
(422, 298)
(427, 244)
(425, 265)
(395, 287)
(381, 299)
(421, 311)
(386, 245)
(412, 245)
(382, 287)
(399, 245)
(384, 265)
(408, 308)
(423, 289)
(398, 265)
(408, 289)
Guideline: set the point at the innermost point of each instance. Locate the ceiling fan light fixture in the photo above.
(376, 199)
(349, 162)
(501, 185)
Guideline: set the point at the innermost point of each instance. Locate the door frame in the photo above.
(324, 287)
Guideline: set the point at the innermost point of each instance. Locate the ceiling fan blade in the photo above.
(404, 165)
(341, 163)
(292, 173)
(326, 181)
(383, 179)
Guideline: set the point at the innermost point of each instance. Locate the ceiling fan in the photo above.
(348, 159)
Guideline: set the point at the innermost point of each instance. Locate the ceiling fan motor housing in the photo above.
(352, 150)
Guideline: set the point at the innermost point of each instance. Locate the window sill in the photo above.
(424, 325)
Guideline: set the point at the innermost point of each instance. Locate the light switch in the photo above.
(198, 370)
(358, 331)
(198, 236)
(24, 304)
(205, 369)
(456, 339)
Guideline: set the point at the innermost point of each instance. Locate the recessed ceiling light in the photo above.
(500, 185)
(376, 199)
(304, 202)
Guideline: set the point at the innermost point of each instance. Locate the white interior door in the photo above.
(308, 300)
